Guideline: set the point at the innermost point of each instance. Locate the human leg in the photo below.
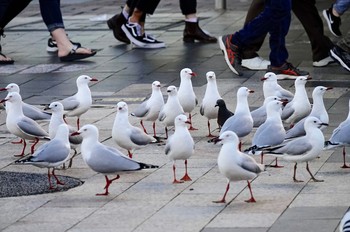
(192, 30)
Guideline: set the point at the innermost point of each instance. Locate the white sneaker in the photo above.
(324, 62)
(256, 63)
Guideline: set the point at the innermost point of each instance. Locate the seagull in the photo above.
(345, 222)
(51, 154)
(186, 95)
(272, 88)
(300, 106)
(28, 110)
(241, 122)
(318, 110)
(235, 165)
(126, 135)
(223, 112)
(271, 132)
(211, 95)
(259, 114)
(20, 125)
(80, 102)
(150, 108)
(180, 146)
(340, 137)
(302, 149)
(171, 109)
(104, 159)
(56, 121)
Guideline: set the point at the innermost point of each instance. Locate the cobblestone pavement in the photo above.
(147, 200)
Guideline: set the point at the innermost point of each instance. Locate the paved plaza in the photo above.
(147, 200)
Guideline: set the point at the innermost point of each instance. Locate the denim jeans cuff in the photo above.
(54, 26)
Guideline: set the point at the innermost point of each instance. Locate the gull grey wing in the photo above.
(32, 128)
(35, 113)
(196, 101)
(168, 146)
(142, 110)
(250, 165)
(297, 130)
(269, 135)
(76, 139)
(139, 137)
(287, 111)
(109, 160)
(53, 151)
(161, 115)
(70, 103)
(341, 133)
(293, 147)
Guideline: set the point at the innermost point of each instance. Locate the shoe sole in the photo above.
(324, 13)
(138, 43)
(111, 26)
(223, 49)
(50, 49)
(288, 77)
(341, 62)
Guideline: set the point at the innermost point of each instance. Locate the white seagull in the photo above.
(20, 125)
(318, 110)
(340, 137)
(211, 95)
(259, 115)
(235, 165)
(104, 159)
(272, 88)
(56, 121)
(126, 135)
(80, 102)
(302, 149)
(241, 122)
(150, 108)
(51, 154)
(187, 97)
(171, 109)
(28, 110)
(300, 106)
(180, 146)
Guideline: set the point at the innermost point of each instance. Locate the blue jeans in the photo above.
(341, 6)
(275, 20)
(51, 14)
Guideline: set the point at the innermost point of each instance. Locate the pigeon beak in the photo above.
(3, 89)
(263, 79)
(193, 74)
(75, 133)
(329, 88)
(93, 79)
(3, 100)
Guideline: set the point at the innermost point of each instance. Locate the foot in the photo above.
(324, 62)
(256, 63)
(231, 53)
(80, 50)
(333, 22)
(5, 60)
(341, 56)
(115, 24)
(287, 71)
(52, 45)
(76, 53)
(193, 32)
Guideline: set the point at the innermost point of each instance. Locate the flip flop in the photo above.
(5, 61)
(73, 55)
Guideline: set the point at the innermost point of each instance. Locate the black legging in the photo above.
(9, 9)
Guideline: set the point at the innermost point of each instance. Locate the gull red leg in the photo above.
(49, 177)
(58, 182)
(23, 149)
(262, 158)
(154, 129)
(251, 200)
(130, 154)
(209, 135)
(108, 183)
(312, 176)
(344, 154)
(143, 127)
(276, 165)
(175, 181)
(33, 146)
(190, 119)
(223, 198)
(166, 132)
(186, 177)
(78, 123)
(295, 171)
(18, 142)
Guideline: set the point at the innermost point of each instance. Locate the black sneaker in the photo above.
(115, 23)
(341, 56)
(151, 42)
(52, 45)
(232, 54)
(332, 21)
(287, 71)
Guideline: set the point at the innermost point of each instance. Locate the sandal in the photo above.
(73, 55)
(5, 61)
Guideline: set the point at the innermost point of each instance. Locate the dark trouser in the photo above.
(9, 9)
(188, 6)
(307, 13)
(275, 19)
(146, 6)
(51, 14)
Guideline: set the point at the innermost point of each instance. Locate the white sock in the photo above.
(126, 14)
(192, 20)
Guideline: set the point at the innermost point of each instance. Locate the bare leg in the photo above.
(223, 198)
(33, 146)
(276, 165)
(23, 149)
(209, 135)
(58, 182)
(108, 183)
(190, 119)
(251, 200)
(295, 171)
(144, 129)
(344, 154)
(312, 176)
(175, 181)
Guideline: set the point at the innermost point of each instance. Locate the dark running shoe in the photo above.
(231, 54)
(341, 56)
(115, 24)
(332, 21)
(151, 42)
(52, 45)
(287, 71)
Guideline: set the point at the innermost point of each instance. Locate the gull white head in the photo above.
(181, 120)
(122, 107)
(12, 97)
(269, 76)
(186, 73)
(313, 122)
(11, 88)
(156, 85)
(211, 76)
(320, 90)
(244, 91)
(84, 79)
(56, 107)
(228, 137)
(172, 90)
(87, 131)
(301, 80)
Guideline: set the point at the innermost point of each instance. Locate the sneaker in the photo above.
(52, 45)
(341, 56)
(133, 32)
(324, 62)
(115, 24)
(332, 21)
(287, 71)
(231, 53)
(151, 42)
(256, 63)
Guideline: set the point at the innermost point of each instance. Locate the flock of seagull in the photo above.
(302, 141)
